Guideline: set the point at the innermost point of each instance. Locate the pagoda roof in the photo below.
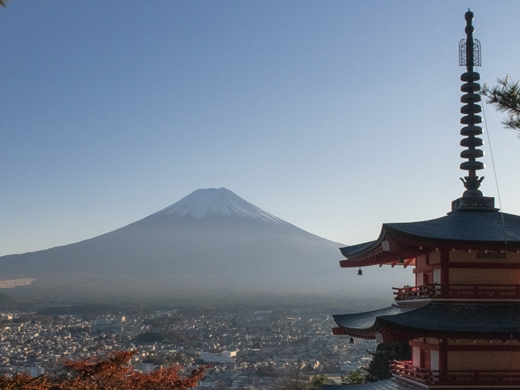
(397, 383)
(386, 384)
(459, 229)
(465, 226)
(500, 320)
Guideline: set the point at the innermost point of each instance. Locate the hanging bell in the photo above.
(360, 272)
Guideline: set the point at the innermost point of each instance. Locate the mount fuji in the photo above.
(210, 240)
(212, 201)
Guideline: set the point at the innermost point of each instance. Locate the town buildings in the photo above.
(260, 347)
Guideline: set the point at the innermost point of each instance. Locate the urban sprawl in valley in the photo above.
(247, 350)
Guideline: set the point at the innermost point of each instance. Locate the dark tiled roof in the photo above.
(465, 226)
(367, 321)
(459, 226)
(346, 251)
(388, 384)
(498, 318)
(395, 384)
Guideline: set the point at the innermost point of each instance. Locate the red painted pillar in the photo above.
(445, 272)
(443, 360)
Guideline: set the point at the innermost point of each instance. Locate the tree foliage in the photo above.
(267, 370)
(379, 367)
(354, 377)
(149, 337)
(318, 381)
(506, 97)
(294, 378)
(111, 372)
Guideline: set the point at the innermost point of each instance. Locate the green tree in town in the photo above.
(318, 381)
(267, 370)
(379, 367)
(506, 97)
(356, 376)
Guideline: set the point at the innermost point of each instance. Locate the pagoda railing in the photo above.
(405, 369)
(458, 291)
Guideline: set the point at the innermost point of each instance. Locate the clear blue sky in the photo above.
(335, 116)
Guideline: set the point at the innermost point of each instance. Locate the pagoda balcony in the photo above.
(458, 291)
(461, 378)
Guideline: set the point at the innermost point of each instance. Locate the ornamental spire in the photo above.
(469, 56)
(468, 53)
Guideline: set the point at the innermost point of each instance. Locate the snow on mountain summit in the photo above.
(217, 201)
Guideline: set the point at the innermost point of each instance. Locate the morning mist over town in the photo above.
(332, 117)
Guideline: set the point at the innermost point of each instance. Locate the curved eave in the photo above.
(432, 242)
(367, 253)
(472, 321)
(389, 248)
(460, 230)
(365, 325)
(465, 226)
(339, 331)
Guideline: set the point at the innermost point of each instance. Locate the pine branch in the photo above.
(506, 97)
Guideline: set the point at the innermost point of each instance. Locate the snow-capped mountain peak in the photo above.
(217, 201)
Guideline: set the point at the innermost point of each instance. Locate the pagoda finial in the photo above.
(469, 56)
(467, 51)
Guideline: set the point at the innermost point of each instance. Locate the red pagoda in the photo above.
(462, 317)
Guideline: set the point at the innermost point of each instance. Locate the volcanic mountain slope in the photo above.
(211, 238)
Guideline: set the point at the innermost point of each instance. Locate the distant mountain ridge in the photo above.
(211, 240)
